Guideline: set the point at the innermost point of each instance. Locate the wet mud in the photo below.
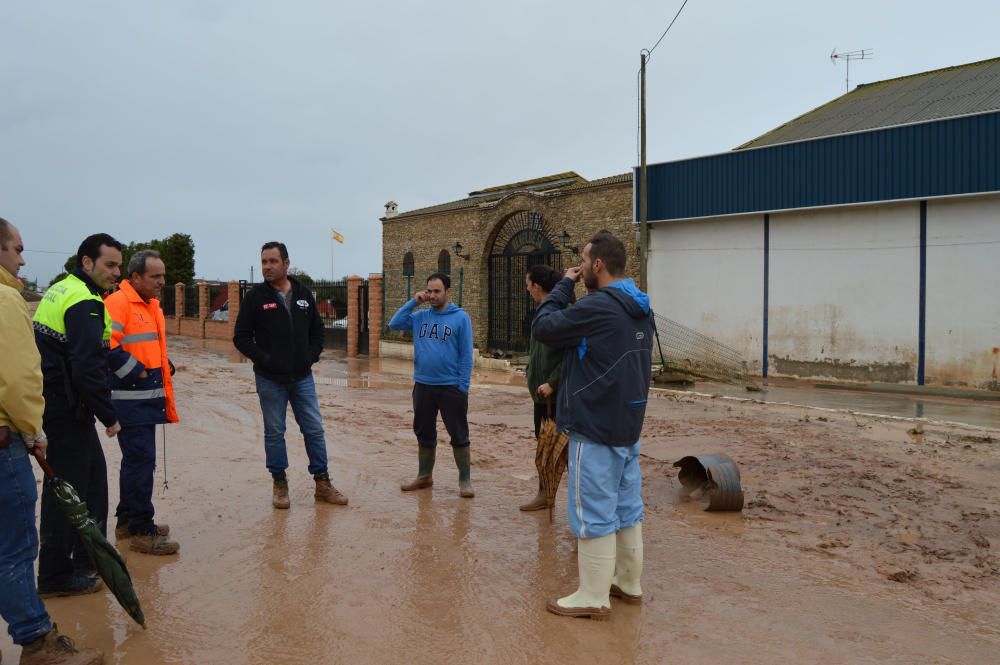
(863, 540)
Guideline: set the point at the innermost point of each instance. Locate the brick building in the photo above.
(488, 240)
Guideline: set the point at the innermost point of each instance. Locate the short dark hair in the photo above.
(5, 233)
(544, 276)
(280, 246)
(91, 247)
(445, 279)
(611, 251)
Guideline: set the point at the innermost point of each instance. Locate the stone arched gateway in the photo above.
(522, 241)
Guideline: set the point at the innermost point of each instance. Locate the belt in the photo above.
(4, 437)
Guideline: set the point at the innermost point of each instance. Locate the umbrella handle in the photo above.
(548, 405)
(42, 462)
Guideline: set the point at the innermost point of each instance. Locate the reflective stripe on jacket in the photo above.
(73, 331)
(139, 343)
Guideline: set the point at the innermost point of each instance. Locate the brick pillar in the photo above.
(374, 314)
(178, 307)
(203, 310)
(353, 320)
(234, 305)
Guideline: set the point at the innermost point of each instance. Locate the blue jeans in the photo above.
(20, 605)
(604, 488)
(274, 401)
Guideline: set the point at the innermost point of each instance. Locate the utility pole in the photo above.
(643, 226)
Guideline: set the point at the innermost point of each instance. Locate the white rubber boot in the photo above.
(596, 561)
(628, 565)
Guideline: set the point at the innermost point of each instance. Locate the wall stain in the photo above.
(849, 370)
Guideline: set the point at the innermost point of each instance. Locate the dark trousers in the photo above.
(75, 455)
(541, 413)
(135, 481)
(453, 405)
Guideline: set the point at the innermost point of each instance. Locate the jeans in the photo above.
(604, 488)
(274, 400)
(135, 480)
(20, 605)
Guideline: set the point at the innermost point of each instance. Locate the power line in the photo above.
(50, 251)
(649, 55)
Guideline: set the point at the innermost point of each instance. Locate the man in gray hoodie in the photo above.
(605, 378)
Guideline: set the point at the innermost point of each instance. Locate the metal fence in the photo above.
(191, 301)
(168, 301)
(690, 352)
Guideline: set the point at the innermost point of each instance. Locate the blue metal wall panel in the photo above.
(945, 157)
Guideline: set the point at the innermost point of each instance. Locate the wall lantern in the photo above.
(564, 241)
(458, 251)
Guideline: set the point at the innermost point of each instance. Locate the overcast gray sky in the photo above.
(242, 121)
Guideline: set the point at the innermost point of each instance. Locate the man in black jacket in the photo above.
(604, 384)
(280, 330)
(73, 331)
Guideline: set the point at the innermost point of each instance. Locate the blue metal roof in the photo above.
(959, 155)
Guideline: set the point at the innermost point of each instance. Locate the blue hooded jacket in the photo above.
(442, 344)
(605, 380)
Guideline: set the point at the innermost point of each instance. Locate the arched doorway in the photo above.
(523, 241)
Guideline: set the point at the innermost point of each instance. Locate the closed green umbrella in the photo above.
(109, 563)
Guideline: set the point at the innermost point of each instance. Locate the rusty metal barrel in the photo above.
(716, 475)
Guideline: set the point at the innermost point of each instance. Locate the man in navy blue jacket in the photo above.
(442, 371)
(603, 389)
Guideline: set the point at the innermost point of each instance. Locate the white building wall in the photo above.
(708, 275)
(844, 292)
(963, 291)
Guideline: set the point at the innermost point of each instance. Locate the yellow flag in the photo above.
(339, 238)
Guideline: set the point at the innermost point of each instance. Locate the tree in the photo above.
(60, 276)
(177, 252)
(302, 276)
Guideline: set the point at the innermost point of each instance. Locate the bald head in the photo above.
(10, 247)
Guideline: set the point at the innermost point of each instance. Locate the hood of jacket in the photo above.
(450, 309)
(635, 302)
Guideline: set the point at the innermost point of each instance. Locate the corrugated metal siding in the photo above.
(945, 157)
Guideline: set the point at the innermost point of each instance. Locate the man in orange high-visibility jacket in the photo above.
(143, 394)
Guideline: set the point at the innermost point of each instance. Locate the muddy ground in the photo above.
(864, 540)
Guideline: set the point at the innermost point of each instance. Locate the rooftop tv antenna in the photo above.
(847, 56)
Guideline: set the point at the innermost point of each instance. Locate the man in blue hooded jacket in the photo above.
(442, 372)
(604, 385)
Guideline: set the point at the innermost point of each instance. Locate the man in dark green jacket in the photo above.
(544, 363)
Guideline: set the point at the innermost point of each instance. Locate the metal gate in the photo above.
(523, 242)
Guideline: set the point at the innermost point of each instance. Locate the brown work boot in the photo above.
(326, 492)
(122, 532)
(280, 498)
(538, 503)
(152, 543)
(418, 483)
(56, 649)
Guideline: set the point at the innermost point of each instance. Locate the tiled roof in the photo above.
(561, 182)
(942, 93)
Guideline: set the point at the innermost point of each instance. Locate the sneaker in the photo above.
(326, 492)
(79, 585)
(55, 649)
(152, 543)
(122, 532)
(280, 498)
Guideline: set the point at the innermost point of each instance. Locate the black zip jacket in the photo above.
(282, 344)
(604, 380)
(75, 369)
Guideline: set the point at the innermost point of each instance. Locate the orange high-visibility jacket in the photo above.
(139, 343)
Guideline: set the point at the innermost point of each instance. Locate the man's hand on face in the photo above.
(421, 297)
(575, 273)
